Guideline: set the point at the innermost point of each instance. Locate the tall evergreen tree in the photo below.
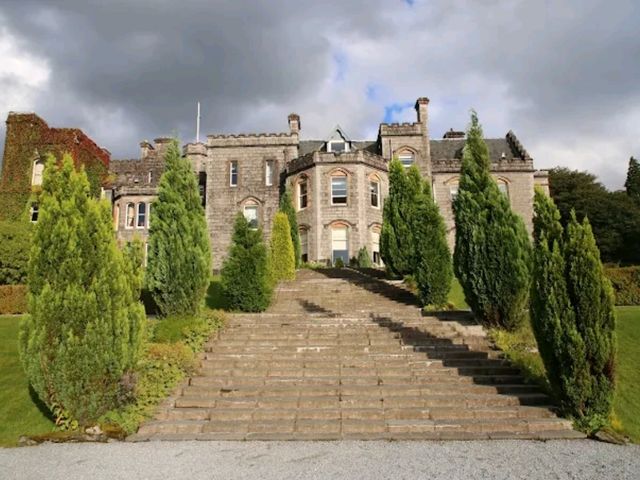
(572, 316)
(493, 252)
(179, 262)
(432, 267)
(632, 184)
(396, 239)
(245, 272)
(85, 328)
(286, 206)
(282, 260)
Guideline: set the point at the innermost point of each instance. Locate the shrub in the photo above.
(433, 271)
(179, 262)
(338, 263)
(572, 316)
(13, 299)
(282, 257)
(286, 206)
(492, 253)
(364, 259)
(85, 330)
(245, 272)
(15, 242)
(626, 284)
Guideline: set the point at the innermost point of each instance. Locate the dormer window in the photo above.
(337, 146)
(338, 142)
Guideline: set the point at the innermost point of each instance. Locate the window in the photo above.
(233, 173)
(251, 214)
(406, 158)
(337, 147)
(202, 188)
(142, 215)
(146, 253)
(340, 244)
(131, 213)
(38, 171)
(453, 191)
(304, 245)
(268, 173)
(374, 188)
(148, 214)
(116, 216)
(504, 188)
(34, 212)
(339, 190)
(375, 247)
(302, 194)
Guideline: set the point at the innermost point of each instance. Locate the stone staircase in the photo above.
(344, 355)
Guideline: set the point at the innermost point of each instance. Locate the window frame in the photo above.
(37, 172)
(269, 169)
(374, 193)
(252, 206)
(234, 170)
(345, 178)
(129, 219)
(407, 154)
(139, 214)
(302, 181)
(34, 210)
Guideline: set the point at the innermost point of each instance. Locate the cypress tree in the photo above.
(572, 316)
(179, 262)
(245, 272)
(493, 252)
(632, 184)
(286, 206)
(396, 239)
(282, 260)
(85, 329)
(364, 259)
(433, 270)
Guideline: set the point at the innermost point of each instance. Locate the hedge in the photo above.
(15, 242)
(13, 299)
(626, 284)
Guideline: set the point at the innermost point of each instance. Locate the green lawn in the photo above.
(627, 401)
(19, 413)
(456, 295)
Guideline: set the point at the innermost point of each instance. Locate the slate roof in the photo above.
(310, 146)
(450, 149)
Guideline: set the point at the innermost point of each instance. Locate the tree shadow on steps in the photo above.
(371, 284)
(311, 307)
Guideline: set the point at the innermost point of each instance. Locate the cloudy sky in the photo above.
(564, 75)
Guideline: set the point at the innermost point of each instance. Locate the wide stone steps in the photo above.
(341, 355)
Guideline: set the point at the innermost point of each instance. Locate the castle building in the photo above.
(338, 184)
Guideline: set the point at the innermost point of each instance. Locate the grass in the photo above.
(456, 295)
(627, 400)
(21, 413)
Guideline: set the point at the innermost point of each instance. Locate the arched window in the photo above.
(38, 171)
(339, 188)
(503, 186)
(340, 243)
(142, 215)
(303, 193)
(250, 211)
(130, 218)
(407, 158)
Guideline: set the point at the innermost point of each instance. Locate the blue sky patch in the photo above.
(393, 111)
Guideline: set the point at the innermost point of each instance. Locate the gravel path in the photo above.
(516, 459)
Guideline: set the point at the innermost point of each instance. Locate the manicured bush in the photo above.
(84, 334)
(626, 284)
(338, 263)
(245, 272)
(572, 316)
(492, 253)
(433, 270)
(13, 299)
(179, 262)
(282, 260)
(15, 243)
(286, 206)
(364, 259)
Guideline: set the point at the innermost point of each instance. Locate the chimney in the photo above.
(422, 105)
(145, 148)
(294, 123)
(161, 145)
(451, 134)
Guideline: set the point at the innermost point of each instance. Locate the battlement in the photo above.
(251, 140)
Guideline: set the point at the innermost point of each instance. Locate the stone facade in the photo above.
(338, 185)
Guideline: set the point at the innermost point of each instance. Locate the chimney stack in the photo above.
(145, 148)
(294, 123)
(422, 105)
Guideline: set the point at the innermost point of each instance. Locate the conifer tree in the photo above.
(572, 316)
(433, 270)
(286, 206)
(492, 253)
(364, 259)
(245, 272)
(396, 239)
(85, 329)
(632, 184)
(179, 262)
(282, 260)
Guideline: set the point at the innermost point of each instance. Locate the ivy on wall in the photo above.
(28, 138)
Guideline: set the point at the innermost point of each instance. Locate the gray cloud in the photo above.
(564, 77)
